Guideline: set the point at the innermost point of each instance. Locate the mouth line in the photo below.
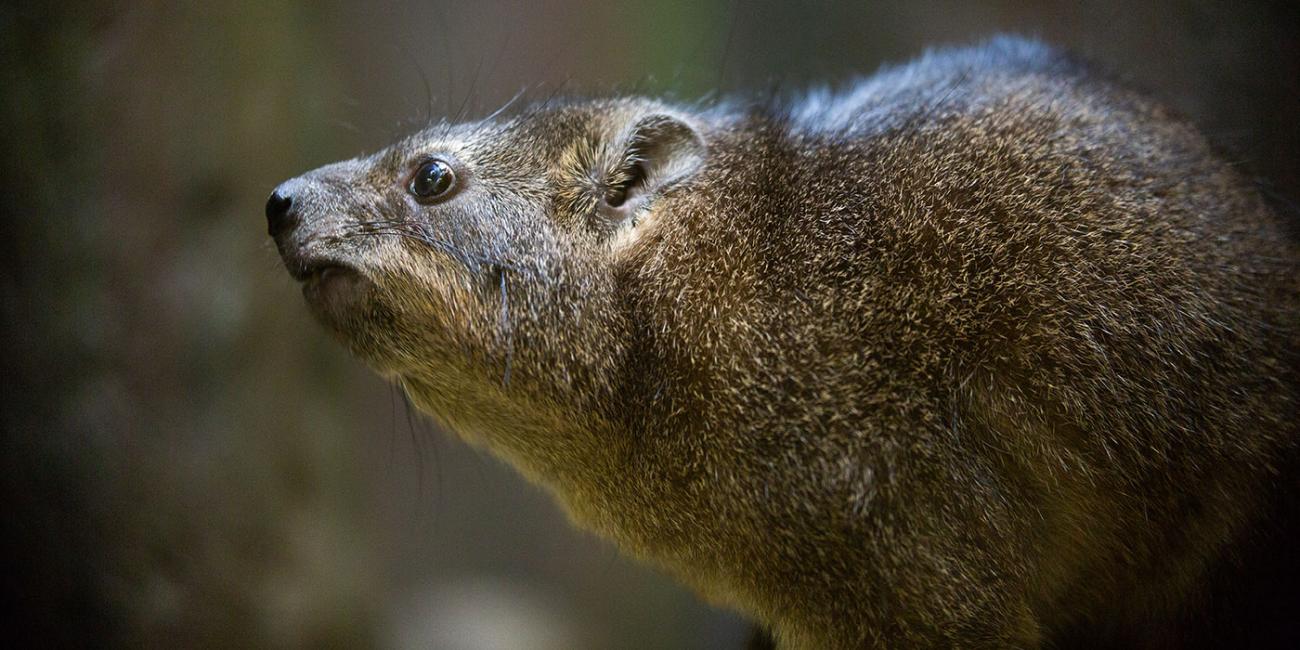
(319, 271)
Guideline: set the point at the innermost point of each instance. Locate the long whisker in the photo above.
(417, 232)
(510, 102)
(505, 327)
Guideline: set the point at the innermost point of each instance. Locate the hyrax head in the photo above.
(469, 252)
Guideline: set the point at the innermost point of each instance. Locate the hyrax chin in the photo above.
(983, 351)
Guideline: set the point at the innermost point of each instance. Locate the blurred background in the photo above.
(188, 461)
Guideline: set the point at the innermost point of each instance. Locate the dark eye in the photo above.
(432, 180)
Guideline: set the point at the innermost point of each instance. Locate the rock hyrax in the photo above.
(983, 351)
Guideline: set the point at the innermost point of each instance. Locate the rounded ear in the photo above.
(658, 151)
(667, 149)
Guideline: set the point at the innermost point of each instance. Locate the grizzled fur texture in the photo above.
(986, 351)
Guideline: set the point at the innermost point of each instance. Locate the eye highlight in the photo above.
(432, 181)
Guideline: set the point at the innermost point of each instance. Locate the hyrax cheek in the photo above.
(336, 292)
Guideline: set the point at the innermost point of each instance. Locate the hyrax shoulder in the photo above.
(982, 351)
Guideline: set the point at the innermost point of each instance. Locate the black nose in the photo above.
(279, 213)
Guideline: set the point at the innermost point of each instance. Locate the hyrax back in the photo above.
(983, 352)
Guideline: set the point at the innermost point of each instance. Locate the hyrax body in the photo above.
(985, 351)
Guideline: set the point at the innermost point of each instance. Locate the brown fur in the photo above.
(982, 350)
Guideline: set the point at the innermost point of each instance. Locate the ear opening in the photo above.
(659, 151)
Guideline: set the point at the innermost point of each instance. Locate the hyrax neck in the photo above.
(575, 453)
(556, 418)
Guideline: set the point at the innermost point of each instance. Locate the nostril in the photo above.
(278, 214)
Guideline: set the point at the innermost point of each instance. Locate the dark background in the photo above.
(189, 461)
